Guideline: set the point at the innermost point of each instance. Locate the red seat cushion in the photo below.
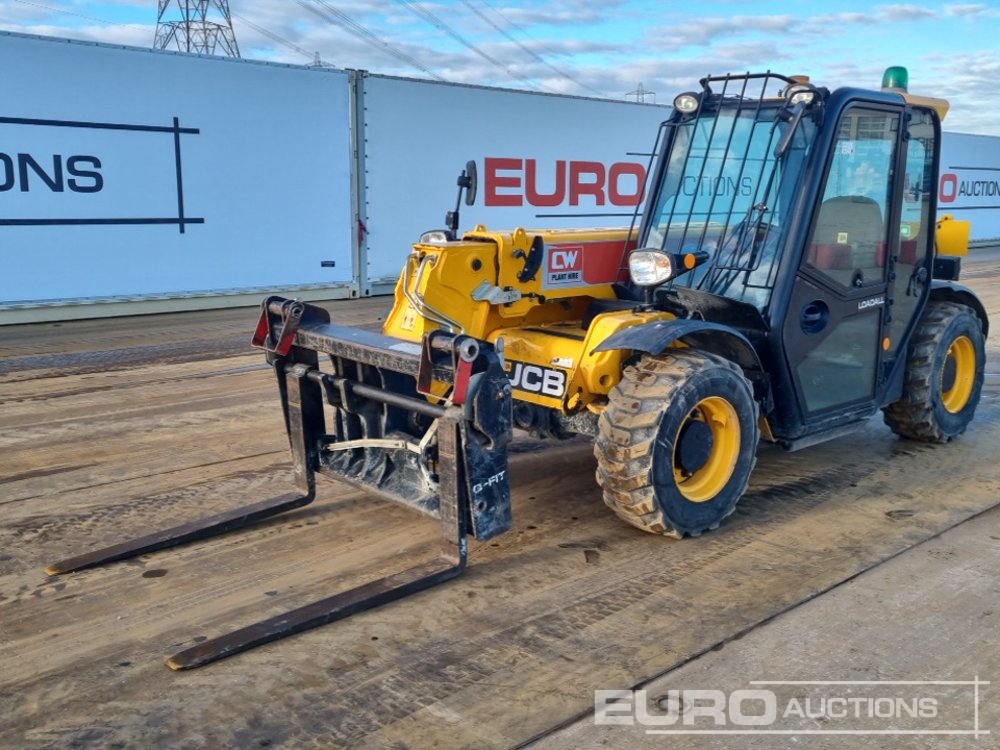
(831, 256)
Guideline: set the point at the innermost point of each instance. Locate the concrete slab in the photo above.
(930, 614)
(118, 430)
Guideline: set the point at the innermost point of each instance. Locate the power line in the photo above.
(531, 53)
(80, 15)
(437, 22)
(334, 16)
(273, 36)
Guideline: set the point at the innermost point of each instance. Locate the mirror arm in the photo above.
(467, 182)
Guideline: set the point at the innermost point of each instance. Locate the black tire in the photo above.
(648, 461)
(944, 375)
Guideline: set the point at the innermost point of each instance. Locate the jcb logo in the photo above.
(536, 379)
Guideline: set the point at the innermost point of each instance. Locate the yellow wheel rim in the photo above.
(708, 481)
(962, 355)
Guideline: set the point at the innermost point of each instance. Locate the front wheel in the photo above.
(944, 375)
(677, 442)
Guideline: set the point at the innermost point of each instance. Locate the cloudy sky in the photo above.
(594, 47)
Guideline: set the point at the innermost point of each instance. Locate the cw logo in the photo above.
(566, 260)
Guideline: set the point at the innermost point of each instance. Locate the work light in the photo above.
(800, 93)
(686, 103)
(435, 237)
(650, 267)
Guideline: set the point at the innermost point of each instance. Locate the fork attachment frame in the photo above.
(443, 456)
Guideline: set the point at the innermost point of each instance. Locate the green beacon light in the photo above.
(896, 78)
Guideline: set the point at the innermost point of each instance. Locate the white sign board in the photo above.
(969, 182)
(126, 173)
(543, 161)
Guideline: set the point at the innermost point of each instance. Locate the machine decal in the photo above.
(871, 302)
(537, 379)
(586, 263)
(489, 482)
(565, 265)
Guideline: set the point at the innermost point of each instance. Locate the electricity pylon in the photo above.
(200, 26)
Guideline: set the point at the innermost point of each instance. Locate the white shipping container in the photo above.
(969, 182)
(130, 172)
(173, 179)
(543, 161)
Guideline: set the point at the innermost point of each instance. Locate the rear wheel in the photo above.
(677, 442)
(944, 375)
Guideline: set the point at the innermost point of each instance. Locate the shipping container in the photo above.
(136, 180)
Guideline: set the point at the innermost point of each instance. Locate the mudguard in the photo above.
(949, 291)
(657, 336)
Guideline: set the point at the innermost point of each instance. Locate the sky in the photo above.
(606, 48)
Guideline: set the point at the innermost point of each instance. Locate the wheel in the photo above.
(944, 375)
(677, 442)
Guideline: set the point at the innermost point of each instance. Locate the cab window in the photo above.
(849, 240)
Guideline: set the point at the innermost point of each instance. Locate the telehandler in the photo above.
(784, 282)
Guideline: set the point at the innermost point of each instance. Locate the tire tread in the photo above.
(627, 431)
(912, 415)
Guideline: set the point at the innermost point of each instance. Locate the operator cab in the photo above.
(810, 216)
(727, 184)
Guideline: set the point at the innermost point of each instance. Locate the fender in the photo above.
(656, 336)
(949, 291)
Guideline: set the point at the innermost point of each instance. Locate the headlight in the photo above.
(800, 92)
(686, 103)
(435, 237)
(649, 267)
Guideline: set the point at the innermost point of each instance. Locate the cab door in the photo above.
(835, 330)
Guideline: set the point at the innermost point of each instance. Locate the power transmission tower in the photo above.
(200, 26)
(641, 95)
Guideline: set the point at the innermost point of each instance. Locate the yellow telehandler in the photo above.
(785, 281)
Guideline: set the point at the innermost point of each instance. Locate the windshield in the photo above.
(724, 191)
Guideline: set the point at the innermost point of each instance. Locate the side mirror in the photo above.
(471, 182)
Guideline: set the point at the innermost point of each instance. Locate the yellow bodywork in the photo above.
(474, 286)
(952, 235)
(941, 106)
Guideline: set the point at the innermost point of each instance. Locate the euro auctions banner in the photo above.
(127, 173)
(544, 161)
(61, 173)
(969, 183)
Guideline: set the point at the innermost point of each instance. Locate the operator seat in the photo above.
(849, 236)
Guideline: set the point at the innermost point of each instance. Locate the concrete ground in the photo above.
(930, 614)
(852, 560)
